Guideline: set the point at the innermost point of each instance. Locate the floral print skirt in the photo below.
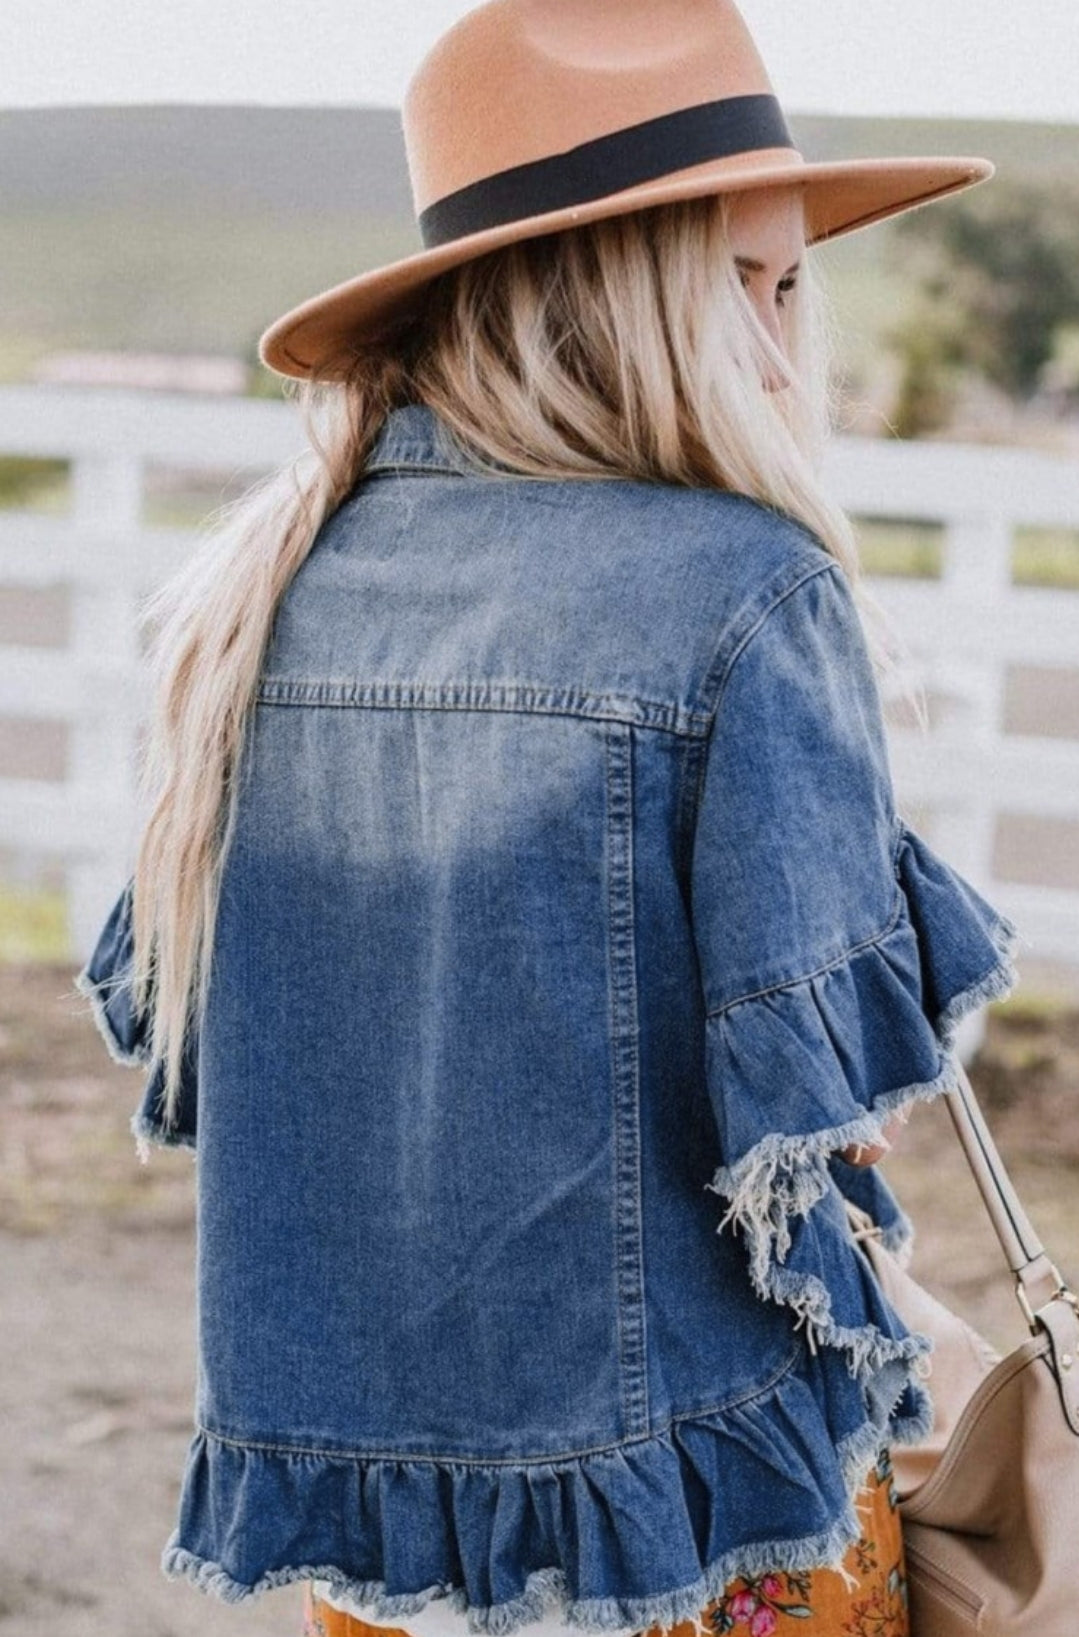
(807, 1603)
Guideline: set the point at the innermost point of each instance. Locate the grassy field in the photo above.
(161, 281)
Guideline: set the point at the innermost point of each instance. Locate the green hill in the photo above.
(189, 228)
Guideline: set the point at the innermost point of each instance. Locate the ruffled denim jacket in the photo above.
(567, 930)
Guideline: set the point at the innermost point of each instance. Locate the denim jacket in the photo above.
(567, 930)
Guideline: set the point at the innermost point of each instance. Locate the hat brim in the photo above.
(840, 196)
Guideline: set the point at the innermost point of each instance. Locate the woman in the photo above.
(523, 868)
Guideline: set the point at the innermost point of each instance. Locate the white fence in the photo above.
(965, 629)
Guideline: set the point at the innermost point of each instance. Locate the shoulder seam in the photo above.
(758, 619)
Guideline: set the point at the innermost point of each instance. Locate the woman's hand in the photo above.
(866, 1154)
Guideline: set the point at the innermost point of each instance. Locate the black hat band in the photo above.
(608, 164)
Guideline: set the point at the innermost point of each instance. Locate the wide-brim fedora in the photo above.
(532, 116)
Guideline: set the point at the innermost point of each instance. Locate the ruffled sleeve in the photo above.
(837, 952)
(105, 981)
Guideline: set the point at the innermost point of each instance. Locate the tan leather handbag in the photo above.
(990, 1500)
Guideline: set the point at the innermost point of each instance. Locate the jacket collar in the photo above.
(415, 437)
(412, 435)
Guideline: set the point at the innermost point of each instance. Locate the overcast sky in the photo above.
(1015, 59)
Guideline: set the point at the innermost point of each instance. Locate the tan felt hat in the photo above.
(529, 116)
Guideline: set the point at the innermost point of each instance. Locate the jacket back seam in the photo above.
(625, 1071)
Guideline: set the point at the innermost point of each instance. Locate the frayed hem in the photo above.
(898, 1238)
(998, 982)
(868, 1349)
(545, 1592)
(916, 1427)
(119, 1053)
(148, 1136)
(784, 1176)
(763, 1198)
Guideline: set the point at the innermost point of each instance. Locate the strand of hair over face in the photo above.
(621, 348)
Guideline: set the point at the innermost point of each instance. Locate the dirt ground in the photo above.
(97, 1299)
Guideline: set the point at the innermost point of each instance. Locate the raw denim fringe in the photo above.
(92, 991)
(546, 1592)
(786, 1175)
(148, 1134)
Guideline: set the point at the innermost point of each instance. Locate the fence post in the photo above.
(106, 512)
(976, 571)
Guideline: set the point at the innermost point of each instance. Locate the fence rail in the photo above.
(964, 629)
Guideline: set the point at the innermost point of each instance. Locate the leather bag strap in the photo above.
(1037, 1280)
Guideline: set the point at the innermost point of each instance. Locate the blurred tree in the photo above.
(997, 284)
(931, 369)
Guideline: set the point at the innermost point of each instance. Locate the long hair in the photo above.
(623, 348)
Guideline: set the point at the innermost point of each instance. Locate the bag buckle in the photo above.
(1063, 1291)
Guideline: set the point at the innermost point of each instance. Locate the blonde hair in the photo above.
(622, 348)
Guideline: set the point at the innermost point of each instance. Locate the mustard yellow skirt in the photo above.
(812, 1603)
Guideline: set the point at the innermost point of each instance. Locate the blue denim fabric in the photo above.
(567, 930)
